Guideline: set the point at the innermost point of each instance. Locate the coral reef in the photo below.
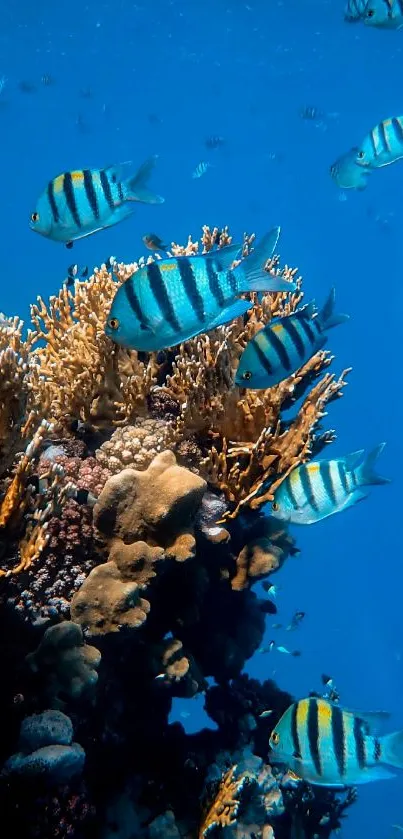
(132, 534)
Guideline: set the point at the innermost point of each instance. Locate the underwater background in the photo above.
(99, 83)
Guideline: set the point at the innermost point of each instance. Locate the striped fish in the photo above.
(354, 10)
(350, 170)
(285, 345)
(201, 169)
(171, 300)
(314, 491)
(327, 745)
(383, 144)
(77, 204)
(384, 14)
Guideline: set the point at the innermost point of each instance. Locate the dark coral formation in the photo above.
(131, 536)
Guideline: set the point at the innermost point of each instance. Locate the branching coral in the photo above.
(14, 366)
(224, 807)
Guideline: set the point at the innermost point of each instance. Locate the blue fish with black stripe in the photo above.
(285, 345)
(313, 491)
(171, 300)
(329, 746)
(80, 203)
(382, 145)
(354, 10)
(383, 14)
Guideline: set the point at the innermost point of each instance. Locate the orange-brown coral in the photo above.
(224, 809)
(262, 555)
(106, 602)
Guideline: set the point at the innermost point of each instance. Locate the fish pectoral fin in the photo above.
(235, 310)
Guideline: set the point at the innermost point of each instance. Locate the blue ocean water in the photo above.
(133, 79)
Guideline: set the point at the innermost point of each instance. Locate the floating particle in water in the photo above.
(3, 81)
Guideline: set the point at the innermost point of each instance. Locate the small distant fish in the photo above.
(171, 300)
(313, 491)
(268, 648)
(285, 345)
(184, 714)
(354, 10)
(47, 80)
(267, 607)
(26, 87)
(201, 169)
(296, 620)
(77, 204)
(153, 242)
(295, 653)
(270, 588)
(382, 145)
(330, 746)
(110, 262)
(331, 693)
(3, 81)
(76, 272)
(312, 114)
(214, 142)
(265, 714)
(350, 171)
(383, 14)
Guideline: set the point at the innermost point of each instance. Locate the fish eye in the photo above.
(247, 375)
(35, 217)
(360, 154)
(275, 738)
(370, 13)
(275, 506)
(113, 323)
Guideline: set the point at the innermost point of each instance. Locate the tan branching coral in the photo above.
(14, 366)
(224, 809)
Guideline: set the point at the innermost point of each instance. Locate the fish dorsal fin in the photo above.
(307, 311)
(225, 256)
(371, 719)
(351, 460)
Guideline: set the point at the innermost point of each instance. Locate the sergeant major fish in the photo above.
(354, 10)
(285, 345)
(331, 747)
(77, 204)
(382, 145)
(383, 14)
(313, 491)
(350, 171)
(170, 301)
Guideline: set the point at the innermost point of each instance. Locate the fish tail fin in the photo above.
(327, 318)
(136, 186)
(392, 749)
(253, 277)
(365, 473)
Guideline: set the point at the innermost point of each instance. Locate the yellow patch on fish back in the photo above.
(168, 266)
(58, 183)
(77, 177)
(302, 713)
(324, 716)
(313, 468)
(294, 477)
(277, 327)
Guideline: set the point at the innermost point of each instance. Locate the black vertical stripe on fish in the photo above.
(290, 492)
(293, 333)
(377, 749)
(190, 285)
(52, 202)
(384, 136)
(342, 474)
(395, 122)
(400, 4)
(161, 295)
(325, 474)
(68, 189)
(133, 300)
(359, 743)
(106, 188)
(279, 348)
(338, 739)
(307, 487)
(264, 361)
(313, 734)
(308, 330)
(120, 192)
(233, 282)
(90, 192)
(214, 283)
(294, 731)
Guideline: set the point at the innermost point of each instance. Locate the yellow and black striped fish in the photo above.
(330, 746)
(383, 14)
(77, 204)
(383, 144)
